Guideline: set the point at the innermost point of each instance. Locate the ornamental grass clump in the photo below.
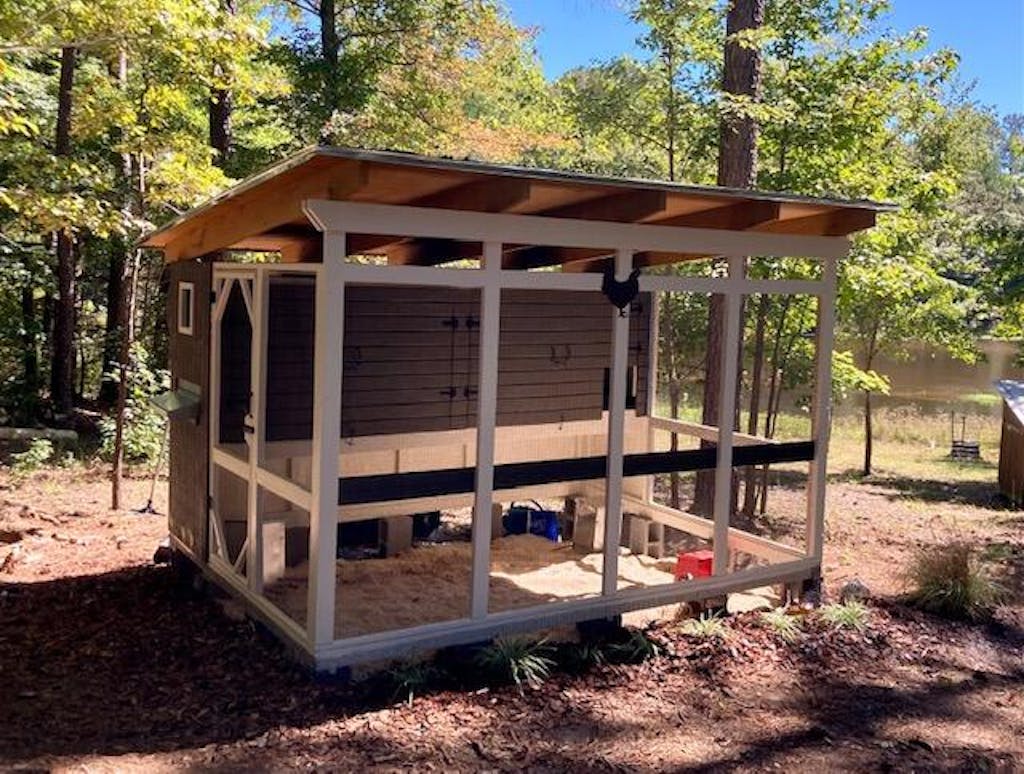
(952, 581)
(851, 616)
(517, 660)
(785, 626)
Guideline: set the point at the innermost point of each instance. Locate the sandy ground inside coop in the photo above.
(431, 582)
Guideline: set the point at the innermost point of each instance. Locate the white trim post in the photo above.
(616, 433)
(729, 365)
(327, 372)
(258, 435)
(653, 340)
(487, 402)
(821, 418)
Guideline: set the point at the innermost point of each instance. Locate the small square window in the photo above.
(186, 302)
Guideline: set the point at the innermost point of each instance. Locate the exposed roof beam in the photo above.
(487, 195)
(255, 212)
(538, 256)
(738, 216)
(839, 222)
(623, 207)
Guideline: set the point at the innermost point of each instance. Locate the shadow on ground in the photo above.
(130, 661)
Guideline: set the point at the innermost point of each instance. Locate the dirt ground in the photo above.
(107, 665)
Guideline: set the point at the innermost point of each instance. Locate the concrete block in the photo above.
(397, 535)
(497, 530)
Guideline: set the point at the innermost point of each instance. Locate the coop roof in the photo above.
(264, 212)
(1012, 393)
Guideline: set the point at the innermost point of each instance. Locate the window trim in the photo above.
(186, 290)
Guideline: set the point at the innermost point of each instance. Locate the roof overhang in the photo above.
(265, 212)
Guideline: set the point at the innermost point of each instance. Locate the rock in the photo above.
(162, 555)
(15, 532)
(854, 591)
(745, 603)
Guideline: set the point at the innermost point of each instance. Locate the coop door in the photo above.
(231, 423)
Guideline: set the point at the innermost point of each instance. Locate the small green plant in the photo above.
(787, 627)
(852, 615)
(144, 424)
(517, 660)
(952, 580)
(579, 657)
(39, 452)
(409, 679)
(706, 626)
(633, 647)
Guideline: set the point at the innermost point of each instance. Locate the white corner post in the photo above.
(327, 365)
(616, 433)
(729, 365)
(652, 382)
(257, 430)
(487, 403)
(821, 418)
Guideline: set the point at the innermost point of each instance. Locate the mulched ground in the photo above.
(106, 663)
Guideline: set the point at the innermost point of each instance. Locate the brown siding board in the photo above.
(189, 359)
(399, 358)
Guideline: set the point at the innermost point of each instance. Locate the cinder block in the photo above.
(588, 530)
(497, 530)
(397, 535)
(273, 551)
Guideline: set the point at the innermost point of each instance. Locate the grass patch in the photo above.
(786, 627)
(952, 581)
(517, 660)
(706, 626)
(849, 616)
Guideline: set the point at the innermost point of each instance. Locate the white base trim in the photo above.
(396, 644)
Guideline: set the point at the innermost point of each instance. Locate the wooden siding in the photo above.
(411, 354)
(189, 357)
(1011, 457)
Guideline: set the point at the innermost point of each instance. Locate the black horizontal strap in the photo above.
(359, 490)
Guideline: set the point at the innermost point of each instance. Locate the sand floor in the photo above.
(431, 582)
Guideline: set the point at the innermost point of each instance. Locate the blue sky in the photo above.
(988, 34)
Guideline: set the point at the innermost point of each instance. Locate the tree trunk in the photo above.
(330, 48)
(111, 338)
(29, 402)
(127, 263)
(868, 443)
(737, 168)
(63, 346)
(219, 108)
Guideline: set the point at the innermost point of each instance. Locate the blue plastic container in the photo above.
(532, 519)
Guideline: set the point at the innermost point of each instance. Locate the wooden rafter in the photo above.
(623, 207)
(488, 195)
(832, 223)
(738, 216)
(253, 213)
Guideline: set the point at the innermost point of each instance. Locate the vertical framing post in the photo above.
(726, 411)
(327, 365)
(222, 290)
(487, 401)
(821, 418)
(652, 382)
(616, 433)
(258, 437)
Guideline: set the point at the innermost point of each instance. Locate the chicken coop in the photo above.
(415, 401)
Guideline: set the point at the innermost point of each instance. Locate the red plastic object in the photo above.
(695, 564)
